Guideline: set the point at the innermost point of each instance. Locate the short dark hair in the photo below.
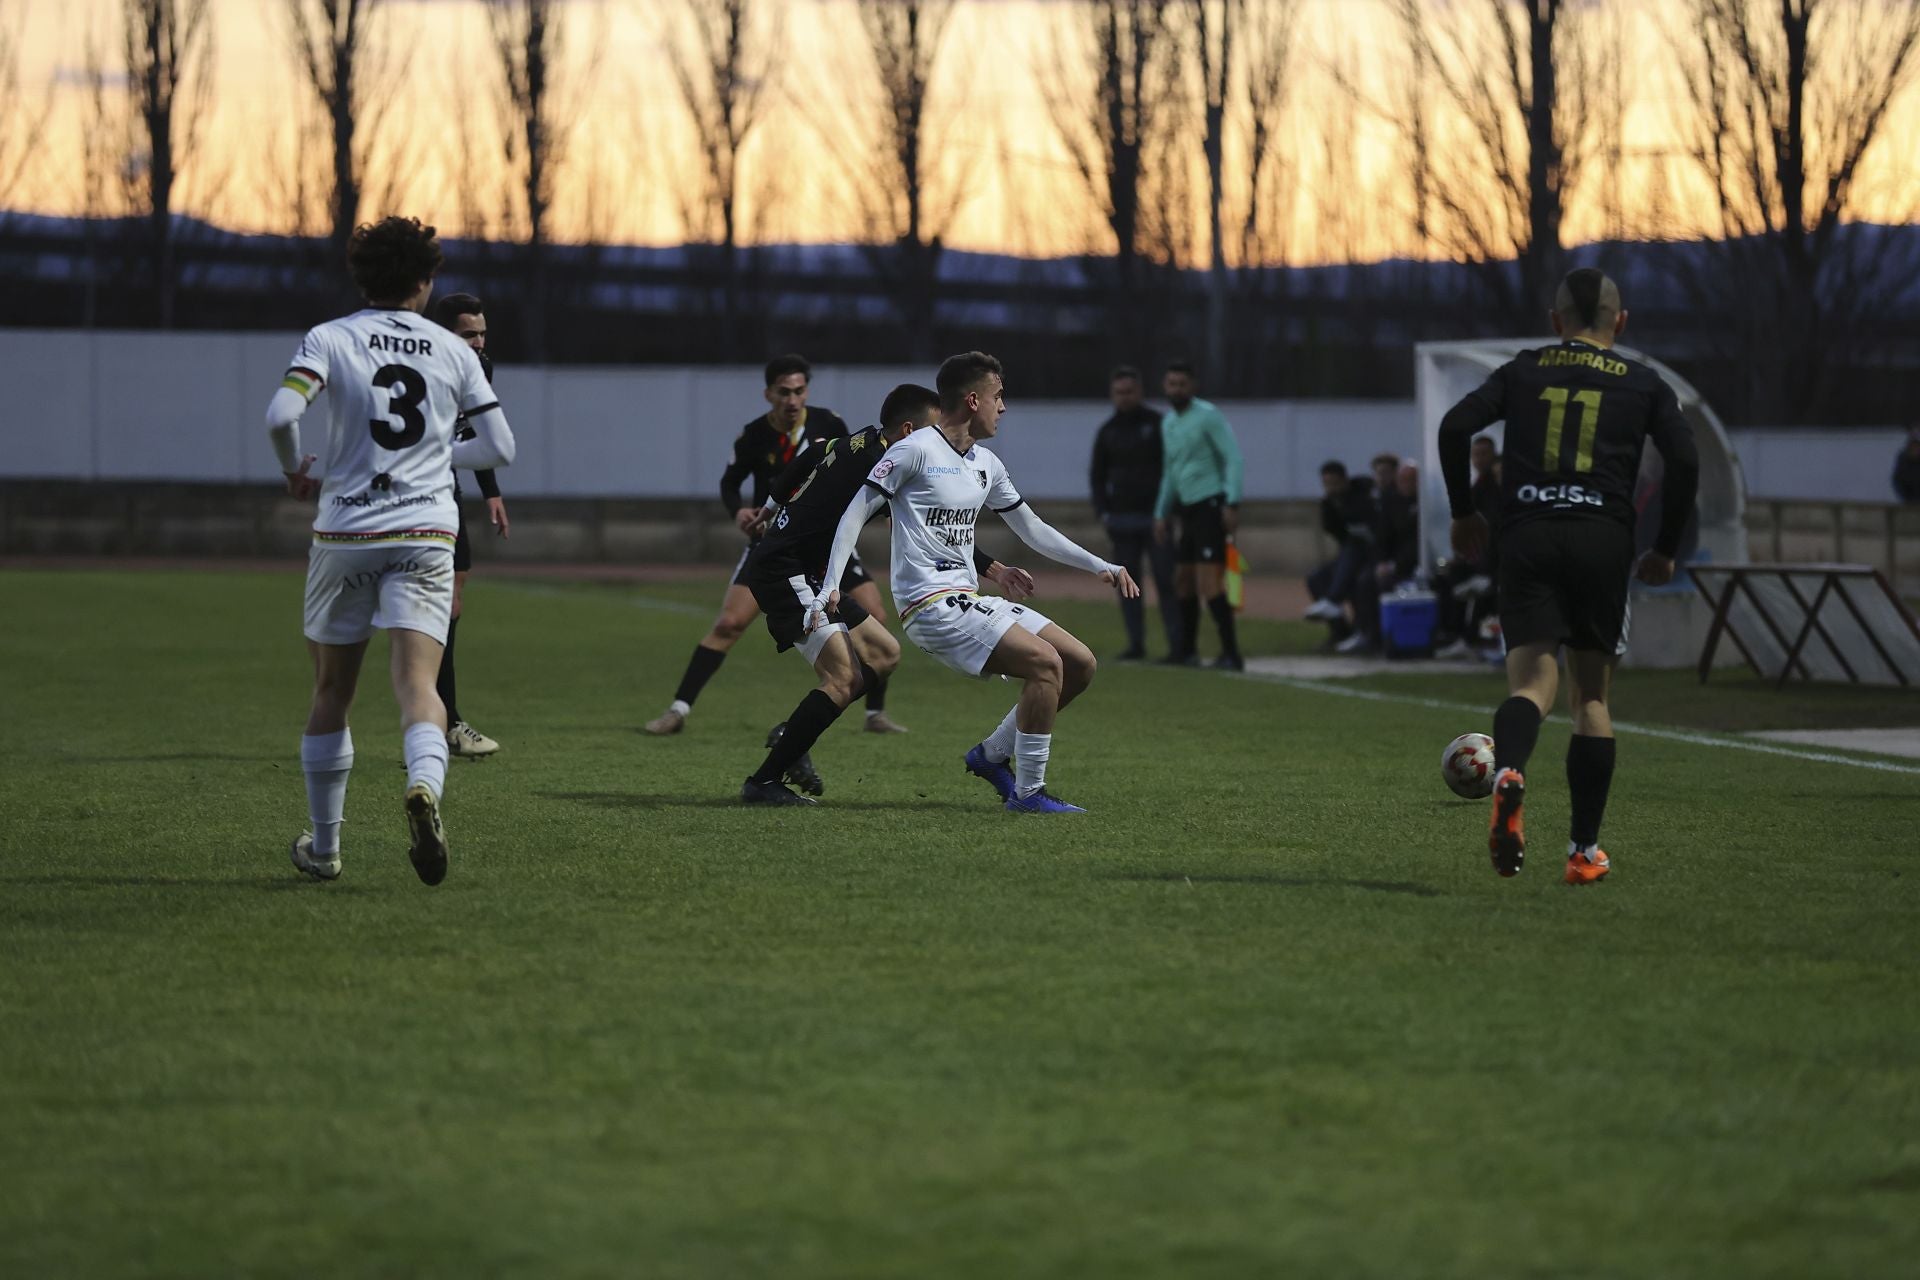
(1485, 440)
(908, 400)
(454, 305)
(391, 257)
(1587, 300)
(1123, 373)
(780, 366)
(1333, 468)
(1181, 366)
(963, 373)
(1391, 458)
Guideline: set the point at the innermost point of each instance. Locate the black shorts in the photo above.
(1565, 582)
(1203, 532)
(778, 595)
(855, 575)
(462, 545)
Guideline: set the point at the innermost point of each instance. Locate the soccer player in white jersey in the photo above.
(382, 553)
(936, 480)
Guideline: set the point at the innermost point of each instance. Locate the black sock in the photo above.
(1589, 776)
(809, 720)
(876, 687)
(700, 669)
(1189, 625)
(1516, 727)
(446, 683)
(1223, 619)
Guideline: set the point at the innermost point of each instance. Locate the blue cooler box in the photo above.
(1407, 622)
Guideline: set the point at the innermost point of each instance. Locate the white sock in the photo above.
(1030, 751)
(681, 709)
(999, 743)
(327, 759)
(425, 744)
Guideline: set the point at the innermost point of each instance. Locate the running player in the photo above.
(784, 572)
(936, 482)
(383, 539)
(1578, 415)
(765, 447)
(463, 316)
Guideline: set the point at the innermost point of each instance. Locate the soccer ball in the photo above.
(1468, 766)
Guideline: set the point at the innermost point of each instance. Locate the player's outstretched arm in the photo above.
(492, 444)
(847, 536)
(1054, 545)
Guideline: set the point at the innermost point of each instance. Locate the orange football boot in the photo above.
(1585, 868)
(1506, 834)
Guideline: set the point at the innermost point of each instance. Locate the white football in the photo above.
(1468, 766)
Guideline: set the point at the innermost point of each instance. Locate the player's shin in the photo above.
(813, 717)
(1589, 778)
(425, 746)
(446, 684)
(1516, 727)
(998, 745)
(327, 759)
(1030, 751)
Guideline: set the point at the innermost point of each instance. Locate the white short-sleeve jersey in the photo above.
(395, 384)
(936, 494)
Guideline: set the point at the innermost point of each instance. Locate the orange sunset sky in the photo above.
(630, 148)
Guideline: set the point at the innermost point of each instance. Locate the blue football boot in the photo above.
(998, 774)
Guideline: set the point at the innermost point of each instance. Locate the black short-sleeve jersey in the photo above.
(1577, 417)
(762, 451)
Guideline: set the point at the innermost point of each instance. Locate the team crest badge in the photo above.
(983, 478)
(882, 469)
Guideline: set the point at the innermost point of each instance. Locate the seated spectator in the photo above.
(1347, 514)
(1396, 558)
(1906, 467)
(1466, 587)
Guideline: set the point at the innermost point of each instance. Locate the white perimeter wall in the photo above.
(188, 406)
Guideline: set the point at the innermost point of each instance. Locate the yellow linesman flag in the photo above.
(1236, 577)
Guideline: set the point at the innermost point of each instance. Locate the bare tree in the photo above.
(1113, 102)
(1213, 26)
(23, 121)
(333, 43)
(168, 46)
(1268, 50)
(723, 66)
(893, 183)
(529, 42)
(1525, 85)
(1789, 102)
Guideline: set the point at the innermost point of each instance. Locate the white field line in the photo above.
(1728, 741)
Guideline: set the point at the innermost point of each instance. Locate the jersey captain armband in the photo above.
(304, 382)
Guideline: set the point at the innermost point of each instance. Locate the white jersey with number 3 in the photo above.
(936, 494)
(395, 384)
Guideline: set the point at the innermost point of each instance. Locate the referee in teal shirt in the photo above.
(1200, 493)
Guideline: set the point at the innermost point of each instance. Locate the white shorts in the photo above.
(353, 590)
(963, 630)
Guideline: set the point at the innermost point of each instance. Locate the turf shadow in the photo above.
(632, 800)
(75, 880)
(166, 757)
(1280, 882)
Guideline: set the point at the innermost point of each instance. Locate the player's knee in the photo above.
(1046, 668)
(1078, 668)
(727, 628)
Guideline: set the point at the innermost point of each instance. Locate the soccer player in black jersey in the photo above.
(1578, 415)
(466, 317)
(801, 515)
(765, 447)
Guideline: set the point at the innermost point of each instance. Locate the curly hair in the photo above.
(391, 257)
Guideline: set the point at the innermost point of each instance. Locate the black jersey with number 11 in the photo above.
(1577, 417)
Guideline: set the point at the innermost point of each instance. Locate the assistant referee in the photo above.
(1200, 493)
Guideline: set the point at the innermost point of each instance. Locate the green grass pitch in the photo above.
(1265, 1011)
